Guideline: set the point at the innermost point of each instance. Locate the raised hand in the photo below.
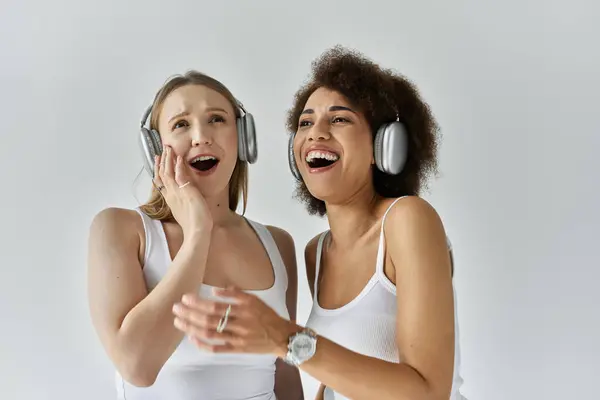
(188, 206)
(248, 324)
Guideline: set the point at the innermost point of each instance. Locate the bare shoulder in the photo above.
(117, 220)
(410, 213)
(287, 247)
(416, 236)
(116, 228)
(282, 237)
(310, 260)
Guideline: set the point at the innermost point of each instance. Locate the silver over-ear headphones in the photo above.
(151, 145)
(390, 149)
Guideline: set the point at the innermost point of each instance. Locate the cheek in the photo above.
(359, 152)
(180, 147)
(228, 141)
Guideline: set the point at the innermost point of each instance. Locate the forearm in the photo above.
(361, 377)
(147, 337)
(288, 384)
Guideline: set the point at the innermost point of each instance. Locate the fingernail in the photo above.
(186, 299)
(177, 308)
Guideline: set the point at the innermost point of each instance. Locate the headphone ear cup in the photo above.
(247, 146)
(391, 148)
(292, 158)
(151, 146)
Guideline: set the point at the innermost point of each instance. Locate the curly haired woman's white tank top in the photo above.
(191, 373)
(367, 324)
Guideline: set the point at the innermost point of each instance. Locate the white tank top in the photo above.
(367, 324)
(192, 373)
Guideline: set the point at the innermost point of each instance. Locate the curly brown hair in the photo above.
(381, 95)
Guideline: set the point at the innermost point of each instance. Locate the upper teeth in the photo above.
(203, 158)
(321, 154)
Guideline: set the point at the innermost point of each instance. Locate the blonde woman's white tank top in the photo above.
(191, 373)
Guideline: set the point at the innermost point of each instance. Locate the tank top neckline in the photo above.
(262, 237)
(377, 277)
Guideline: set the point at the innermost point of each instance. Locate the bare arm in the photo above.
(288, 384)
(425, 319)
(310, 259)
(134, 326)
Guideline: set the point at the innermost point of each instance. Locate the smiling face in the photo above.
(199, 124)
(333, 147)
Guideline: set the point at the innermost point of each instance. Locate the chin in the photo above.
(322, 191)
(213, 183)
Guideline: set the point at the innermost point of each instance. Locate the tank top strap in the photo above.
(279, 269)
(150, 232)
(381, 252)
(379, 273)
(319, 254)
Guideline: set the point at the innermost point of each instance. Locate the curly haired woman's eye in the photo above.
(340, 119)
(303, 123)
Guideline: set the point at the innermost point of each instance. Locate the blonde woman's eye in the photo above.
(217, 119)
(180, 124)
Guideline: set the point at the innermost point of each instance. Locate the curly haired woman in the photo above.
(383, 323)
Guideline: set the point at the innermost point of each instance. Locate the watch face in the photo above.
(303, 346)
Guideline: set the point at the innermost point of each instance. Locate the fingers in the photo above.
(157, 181)
(181, 176)
(201, 318)
(198, 317)
(234, 293)
(167, 169)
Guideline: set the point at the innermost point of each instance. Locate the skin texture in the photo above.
(417, 261)
(214, 245)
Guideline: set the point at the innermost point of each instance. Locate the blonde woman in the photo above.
(189, 239)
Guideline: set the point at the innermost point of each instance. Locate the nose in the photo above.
(319, 131)
(201, 136)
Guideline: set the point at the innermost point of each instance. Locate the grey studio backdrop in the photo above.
(513, 84)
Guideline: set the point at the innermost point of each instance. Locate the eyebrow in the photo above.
(185, 113)
(332, 108)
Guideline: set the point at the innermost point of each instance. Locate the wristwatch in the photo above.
(301, 347)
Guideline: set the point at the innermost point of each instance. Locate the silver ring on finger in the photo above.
(223, 321)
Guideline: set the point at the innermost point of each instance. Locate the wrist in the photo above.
(301, 346)
(194, 233)
(290, 329)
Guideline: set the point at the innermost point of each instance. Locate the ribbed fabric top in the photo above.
(192, 373)
(367, 324)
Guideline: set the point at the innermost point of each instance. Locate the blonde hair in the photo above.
(157, 207)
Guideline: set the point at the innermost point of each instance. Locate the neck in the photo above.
(219, 209)
(351, 220)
